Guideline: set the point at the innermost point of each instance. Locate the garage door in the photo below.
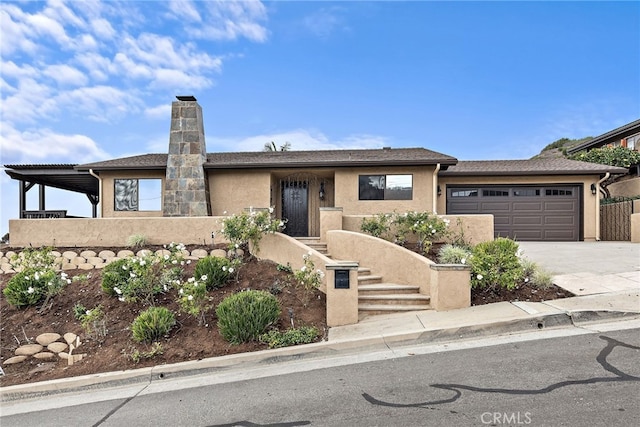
(522, 213)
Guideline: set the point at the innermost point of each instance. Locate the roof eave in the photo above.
(350, 163)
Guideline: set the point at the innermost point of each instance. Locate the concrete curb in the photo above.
(325, 349)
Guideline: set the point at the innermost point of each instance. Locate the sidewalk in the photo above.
(607, 293)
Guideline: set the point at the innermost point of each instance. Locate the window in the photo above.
(526, 192)
(558, 192)
(465, 193)
(495, 193)
(385, 187)
(137, 194)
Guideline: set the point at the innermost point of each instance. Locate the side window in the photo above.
(138, 194)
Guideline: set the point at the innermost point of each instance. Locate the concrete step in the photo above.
(372, 309)
(387, 288)
(368, 279)
(364, 271)
(395, 299)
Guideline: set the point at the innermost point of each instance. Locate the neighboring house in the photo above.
(625, 136)
(530, 199)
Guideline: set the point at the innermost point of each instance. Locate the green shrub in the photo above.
(139, 278)
(244, 316)
(193, 298)
(31, 285)
(293, 336)
(34, 259)
(613, 156)
(452, 254)
(377, 226)
(216, 271)
(137, 241)
(92, 321)
(152, 324)
(114, 275)
(425, 226)
(535, 275)
(248, 227)
(495, 264)
(308, 278)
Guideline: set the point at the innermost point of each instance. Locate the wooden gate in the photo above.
(615, 220)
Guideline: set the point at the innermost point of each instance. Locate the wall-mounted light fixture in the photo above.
(593, 189)
(439, 191)
(322, 194)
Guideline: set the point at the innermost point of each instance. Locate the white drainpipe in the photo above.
(435, 189)
(99, 190)
(598, 205)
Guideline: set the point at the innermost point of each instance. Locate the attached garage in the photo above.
(523, 212)
(537, 199)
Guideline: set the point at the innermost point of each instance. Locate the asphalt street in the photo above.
(562, 377)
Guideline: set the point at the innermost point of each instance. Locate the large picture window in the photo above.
(385, 187)
(137, 194)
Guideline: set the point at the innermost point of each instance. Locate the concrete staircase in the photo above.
(374, 295)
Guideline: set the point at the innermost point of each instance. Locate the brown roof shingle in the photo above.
(282, 159)
(529, 167)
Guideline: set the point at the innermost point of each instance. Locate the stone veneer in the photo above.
(186, 189)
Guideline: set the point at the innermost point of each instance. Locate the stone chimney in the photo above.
(186, 191)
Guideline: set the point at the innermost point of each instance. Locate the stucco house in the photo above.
(544, 199)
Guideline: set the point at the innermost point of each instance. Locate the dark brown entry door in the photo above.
(295, 208)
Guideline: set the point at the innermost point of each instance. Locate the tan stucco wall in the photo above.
(346, 190)
(626, 188)
(234, 191)
(394, 263)
(113, 231)
(635, 228)
(107, 203)
(590, 203)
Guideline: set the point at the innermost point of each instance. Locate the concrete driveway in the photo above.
(586, 268)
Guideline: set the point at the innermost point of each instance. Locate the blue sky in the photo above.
(86, 80)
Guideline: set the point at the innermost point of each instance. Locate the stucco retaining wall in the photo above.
(101, 232)
(394, 263)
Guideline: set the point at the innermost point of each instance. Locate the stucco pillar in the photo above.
(186, 189)
(330, 219)
(450, 286)
(342, 301)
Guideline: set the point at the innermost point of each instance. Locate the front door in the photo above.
(295, 208)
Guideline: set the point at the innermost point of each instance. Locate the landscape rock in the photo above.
(63, 355)
(68, 266)
(44, 355)
(69, 255)
(106, 254)
(85, 266)
(15, 359)
(199, 253)
(57, 347)
(95, 260)
(47, 338)
(221, 253)
(144, 252)
(70, 337)
(28, 349)
(78, 260)
(125, 253)
(87, 254)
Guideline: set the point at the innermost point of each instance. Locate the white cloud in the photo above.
(66, 75)
(47, 146)
(162, 111)
(184, 9)
(103, 29)
(230, 20)
(101, 103)
(324, 22)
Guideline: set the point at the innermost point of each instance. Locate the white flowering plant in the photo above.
(427, 227)
(193, 298)
(308, 277)
(91, 320)
(36, 279)
(141, 278)
(217, 270)
(249, 227)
